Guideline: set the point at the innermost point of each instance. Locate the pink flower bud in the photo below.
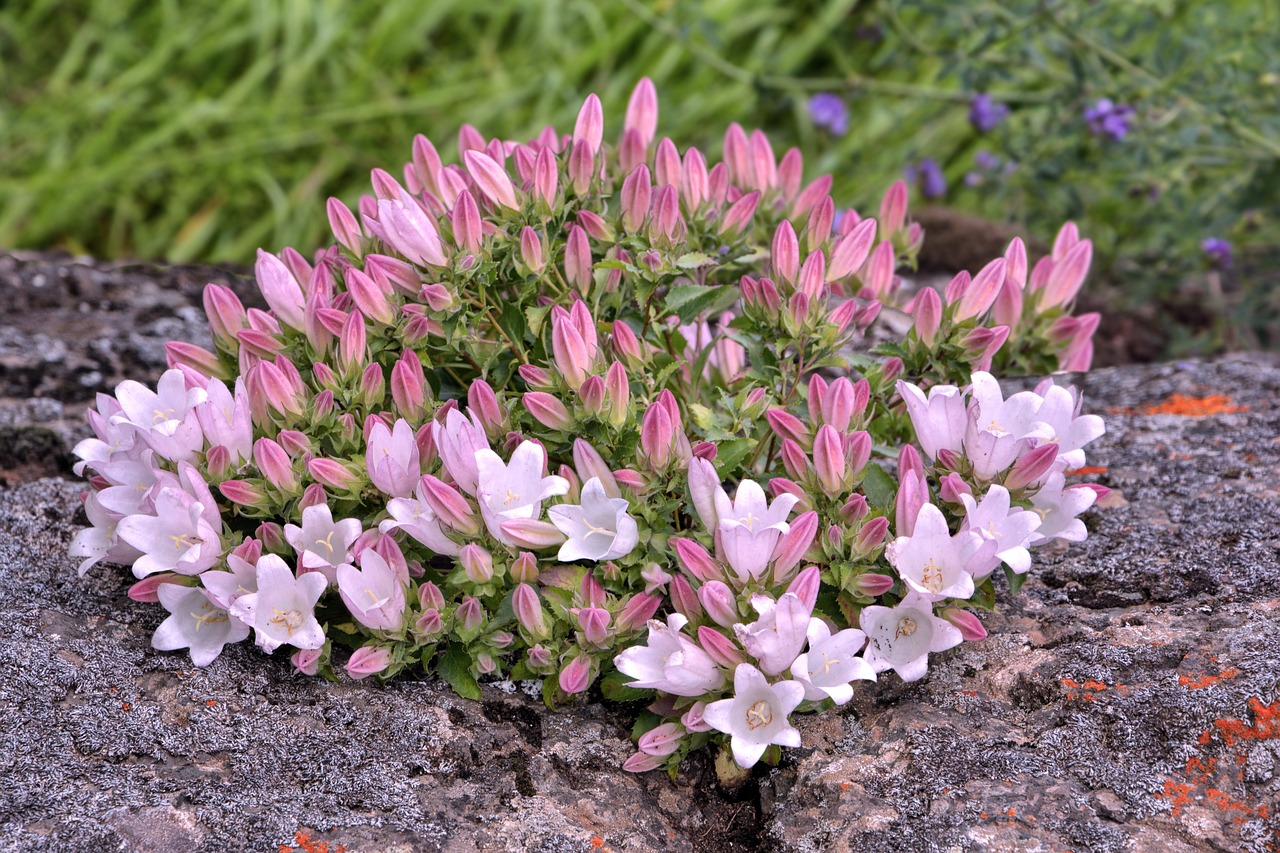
(722, 650)
(429, 596)
(667, 164)
(539, 659)
(683, 599)
(637, 189)
(306, 661)
(271, 535)
(217, 461)
(872, 584)
(877, 276)
(582, 167)
(630, 478)
(477, 563)
(818, 229)
(145, 590)
(531, 533)
(572, 357)
(781, 485)
(353, 351)
(981, 293)
(626, 345)
(642, 762)
(854, 508)
(871, 535)
(426, 162)
(740, 214)
(596, 227)
(590, 463)
(528, 611)
(470, 614)
(638, 610)
(851, 251)
(657, 431)
(793, 544)
(970, 626)
(695, 559)
(546, 177)
(491, 178)
(795, 460)
(408, 385)
(199, 359)
(829, 461)
(720, 602)
(242, 493)
(452, 509)
(531, 250)
(806, 586)
(548, 410)
(465, 218)
(784, 261)
(893, 208)
(819, 189)
(1067, 276)
(589, 127)
(577, 260)
(346, 230)
(811, 276)
(844, 401)
(595, 625)
(1068, 237)
(576, 676)
(661, 741)
(1032, 467)
(642, 111)
(666, 223)
(535, 377)
(1015, 257)
(334, 474)
(226, 314)
(790, 173)
(928, 316)
(952, 486)
(428, 624)
(275, 465)
(787, 425)
(764, 166)
(367, 661)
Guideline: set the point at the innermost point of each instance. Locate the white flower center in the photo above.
(290, 619)
(184, 541)
(209, 616)
(159, 416)
(906, 627)
(759, 714)
(512, 498)
(931, 576)
(327, 542)
(592, 529)
(827, 663)
(750, 521)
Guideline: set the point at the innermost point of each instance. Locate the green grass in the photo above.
(202, 130)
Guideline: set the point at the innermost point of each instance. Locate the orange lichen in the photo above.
(1189, 407)
(1177, 794)
(1266, 724)
(1207, 680)
(1087, 469)
(597, 842)
(1089, 689)
(844, 786)
(302, 841)
(211, 703)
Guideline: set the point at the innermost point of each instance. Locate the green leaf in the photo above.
(454, 667)
(731, 454)
(984, 596)
(687, 301)
(616, 687)
(693, 260)
(1015, 580)
(646, 721)
(879, 487)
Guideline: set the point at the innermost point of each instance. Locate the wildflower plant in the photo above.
(603, 415)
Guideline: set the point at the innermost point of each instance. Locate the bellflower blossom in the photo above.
(598, 527)
(457, 441)
(415, 517)
(984, 113)
(756, 716)
(392, 459)
(183, 536)
(1058, 506)
(777, 636)
(998, 429)
(226, 421)
(831, 663)
(670, 662)
(322, 543)
(165, 418)
(282, 611)
(515, 489)
(195, 623)
(373, 593)
(1005, 532)
(939, 419)
(749, 527)
(901, 637)
(1106, 118)
(931, 561)
(1059, 412)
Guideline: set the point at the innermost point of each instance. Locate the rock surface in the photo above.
(1127, 699)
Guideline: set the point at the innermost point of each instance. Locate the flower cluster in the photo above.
(596, 414)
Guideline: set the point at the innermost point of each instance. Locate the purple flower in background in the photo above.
(829, 113)
(928, 174)
(984, 113)
(1218, 251)
(987, 164)
(1109, 118)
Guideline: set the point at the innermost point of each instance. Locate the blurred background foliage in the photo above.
(200, 130)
